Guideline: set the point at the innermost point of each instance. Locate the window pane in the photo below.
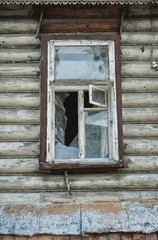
(98, 96)
(86, 62)
(96, 135)
(66, 126)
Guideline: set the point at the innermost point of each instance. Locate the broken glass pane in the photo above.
(66, 125)
(81, 62)
(96, 135)
(64, 152)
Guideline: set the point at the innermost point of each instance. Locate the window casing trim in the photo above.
(77, 163)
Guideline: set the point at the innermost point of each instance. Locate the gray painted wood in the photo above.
(19, 132)
(22, 149)
(16, 26)
(140, 115)
(32, 198)
(134, 164)
(19, 55)
(23, 100)
(20, 116)
(23, 70)
(18, 40)
(85, 182)
(139, 85)
(14, 84)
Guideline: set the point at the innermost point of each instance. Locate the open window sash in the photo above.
(98, 95)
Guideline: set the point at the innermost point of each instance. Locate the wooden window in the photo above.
(80, 103)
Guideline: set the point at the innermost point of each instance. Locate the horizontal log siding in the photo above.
(20, 122)
(19, 90)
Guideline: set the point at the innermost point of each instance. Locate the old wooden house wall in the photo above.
(33, 201)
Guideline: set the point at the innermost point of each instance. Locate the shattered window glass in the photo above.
(66, 128)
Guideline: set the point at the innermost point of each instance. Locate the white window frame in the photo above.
(112, 103)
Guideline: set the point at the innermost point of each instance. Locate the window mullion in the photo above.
(81, 127)
(53, 123)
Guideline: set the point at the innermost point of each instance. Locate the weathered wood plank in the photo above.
(80, 24)
(12, 7)
(139, 38)
(23, 149)
(80, 182)
(19, 133)
(19, 70)
(140, 164)
(18, 40)
(133, 53)
(27, 198)
(137, 69)
(15, 11)
(140, 24)
(139, 99)
(139, 84)
(19, 165)
(141, 146)
(15, 26)
(67, 11)
(19, 84)
(140, 130)
(31, 165)
(19, 116)
(141, 11)
(26, 100)
(19, 55)
(140, 114)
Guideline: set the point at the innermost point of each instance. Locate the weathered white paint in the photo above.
(140, 130)
(78, 197)
(21, 116)
(21, 100)
(134, 217)
(25, 149)
(79, 219)
(21, 84)
(19, 132)
(17, 40)
(140, 114)
(134, 53)
(139, 38)
(141, 146)
(140, 24)
(139, 85)
(19, 55)
(134, 164)
(139, 99)
(19, 165)
(16, 26)
(81, 183)
(137, 69)
(19, 70)
(29, 221)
